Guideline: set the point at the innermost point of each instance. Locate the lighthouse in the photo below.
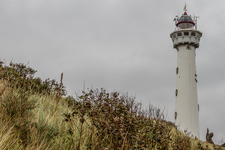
(185, 40)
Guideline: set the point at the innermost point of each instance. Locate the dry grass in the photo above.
(49, 129)
(95, 120)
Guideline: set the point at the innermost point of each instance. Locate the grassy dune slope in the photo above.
(95, 120)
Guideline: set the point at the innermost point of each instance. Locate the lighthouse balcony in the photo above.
(190, 37)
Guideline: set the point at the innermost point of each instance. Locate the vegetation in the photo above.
(36, 114)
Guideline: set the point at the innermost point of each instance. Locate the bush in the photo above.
(22, 77)
(117, 122)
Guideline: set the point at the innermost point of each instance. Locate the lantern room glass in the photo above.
(185, 25)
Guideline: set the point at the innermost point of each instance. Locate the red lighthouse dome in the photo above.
(185, 22)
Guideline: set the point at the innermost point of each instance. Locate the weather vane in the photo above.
(185, 9)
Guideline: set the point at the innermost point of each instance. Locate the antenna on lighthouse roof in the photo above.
(195, 20)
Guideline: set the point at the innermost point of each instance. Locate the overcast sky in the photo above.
(120, 45)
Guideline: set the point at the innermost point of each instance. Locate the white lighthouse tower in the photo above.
(186, 39)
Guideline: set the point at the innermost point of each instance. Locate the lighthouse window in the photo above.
(196, 80)
(186, 33)
(174, 35)
(177, 70)
(192, 33)
(175, 115)
(179, 34)
(198, 35)
(176, 93)
(188, 47)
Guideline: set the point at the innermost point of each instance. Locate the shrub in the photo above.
(21, 76)
(118, 122)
